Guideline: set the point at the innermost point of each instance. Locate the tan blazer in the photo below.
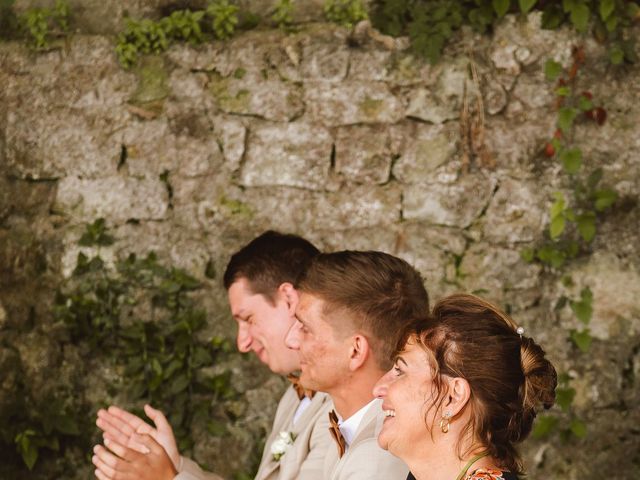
(304, 460)
(364, 459)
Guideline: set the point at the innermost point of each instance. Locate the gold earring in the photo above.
(444, 423)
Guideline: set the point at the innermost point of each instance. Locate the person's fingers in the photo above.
(101, 476)
(110, 459)
(116, 422)
(132, 420)
(151, 443)
(99, 460)
(116, 427)
(112, 431)
(157, 417)
(124, 452)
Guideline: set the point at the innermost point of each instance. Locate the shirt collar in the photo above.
(349, 427)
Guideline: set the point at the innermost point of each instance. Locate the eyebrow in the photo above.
(400, 359)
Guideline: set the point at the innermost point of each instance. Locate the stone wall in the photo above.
(350, 141)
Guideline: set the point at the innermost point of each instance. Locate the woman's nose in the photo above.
(381, 387)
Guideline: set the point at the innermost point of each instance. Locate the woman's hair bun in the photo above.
(540, 377)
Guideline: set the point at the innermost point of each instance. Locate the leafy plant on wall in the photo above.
(430, 24)
(137, 319)
(573, 224)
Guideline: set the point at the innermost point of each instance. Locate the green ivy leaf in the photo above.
(583, 308)
(616, 55)
(578, 428)
(587, 226)
(606, 8)
(582, 339)
(564, 397)
(67, 425)
(544, 425)
(566, 116)
(551, 256)
(527, 254)
(563, 91)
(526, 5)
(552, 70)
(179, 383)
(501, 7)
(552, 16)
(580, 16)
(594, 179)
(557, 227)
(604, 199)
(585, 104)
(557, 208)
(571, 160)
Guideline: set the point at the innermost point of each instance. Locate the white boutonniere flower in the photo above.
(281, 444)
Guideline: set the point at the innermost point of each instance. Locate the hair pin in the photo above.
(520, 331)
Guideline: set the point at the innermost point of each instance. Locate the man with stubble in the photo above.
(352, 311)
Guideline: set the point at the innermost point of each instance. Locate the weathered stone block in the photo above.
(363, 154)
(616, 295)
(52, 143)
(152, 148)
(324, 61)
(372, 238)
(250, 94)
(457, 204)
(351, 102)
(443, 100)
(515, 214)
(515, 143)
(490, 271)
(422, 149)
(357, 207)
(294, 154)
(231, 134)
(370, 65)
(429, 260)
(115, 198)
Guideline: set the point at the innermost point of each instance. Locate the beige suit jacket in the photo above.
(364, 459)
(304, 460)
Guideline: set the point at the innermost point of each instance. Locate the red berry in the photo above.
(549, 150)
(599, 115)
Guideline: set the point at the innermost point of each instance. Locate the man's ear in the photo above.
(359, 351)
(458, 395)
(290, 295)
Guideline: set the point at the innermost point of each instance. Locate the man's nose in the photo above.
(243, 340)
(292, 339)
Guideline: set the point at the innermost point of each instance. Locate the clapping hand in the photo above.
(149, 461)
(121, 426)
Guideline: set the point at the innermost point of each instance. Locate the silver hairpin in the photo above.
(520, 331)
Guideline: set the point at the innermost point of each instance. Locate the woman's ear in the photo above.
(290, 296)
(458, 395)
(358, 352)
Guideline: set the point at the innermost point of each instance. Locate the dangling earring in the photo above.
(444, 423)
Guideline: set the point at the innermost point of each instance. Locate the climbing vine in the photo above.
(573, 222)
(39, 26)
(139, 320)
(430, 24)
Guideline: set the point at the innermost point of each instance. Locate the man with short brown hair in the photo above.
(259, 281)
(352, 311)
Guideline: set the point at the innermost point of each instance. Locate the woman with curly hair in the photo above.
(464, 390)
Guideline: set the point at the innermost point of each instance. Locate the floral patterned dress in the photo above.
(483, 474)
(489, 474)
